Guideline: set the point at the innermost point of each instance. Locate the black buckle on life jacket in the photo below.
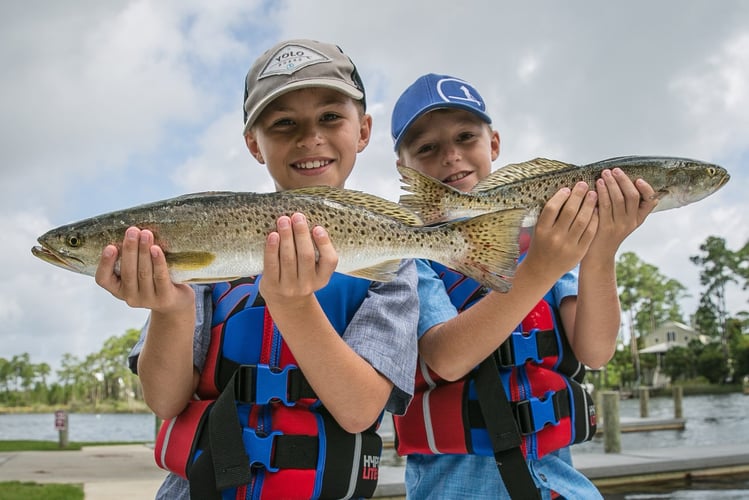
(533, 414)
(520, 347)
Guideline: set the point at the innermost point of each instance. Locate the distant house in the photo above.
(667, 335)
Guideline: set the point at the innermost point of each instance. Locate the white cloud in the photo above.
(109, 104)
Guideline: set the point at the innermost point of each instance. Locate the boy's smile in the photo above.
(309, 137)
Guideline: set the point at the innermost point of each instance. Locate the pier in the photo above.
(644, 466)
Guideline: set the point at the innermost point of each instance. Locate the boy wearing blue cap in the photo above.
(498, 382)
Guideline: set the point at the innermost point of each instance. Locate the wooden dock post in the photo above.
(644, 396)
(612, 438)
(678, 396)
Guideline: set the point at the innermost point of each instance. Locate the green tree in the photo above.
(6, 372)
(719, 267)
(647, 297)
(712, 365)
(680, 363)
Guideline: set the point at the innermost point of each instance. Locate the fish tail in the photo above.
(491, 253)
(428, 195)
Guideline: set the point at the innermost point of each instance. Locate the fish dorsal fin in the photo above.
(385, 271)
(363, 200)
(427, 194)
(515, 172)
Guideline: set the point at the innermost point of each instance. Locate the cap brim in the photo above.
(434, 106)
(338, 85)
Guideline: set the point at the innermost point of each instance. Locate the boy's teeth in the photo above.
(455, 177)
(311, 164)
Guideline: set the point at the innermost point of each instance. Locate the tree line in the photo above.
(100, 377)
(648, 299)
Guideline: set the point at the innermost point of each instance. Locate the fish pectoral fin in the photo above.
(384, 271)
(188, 261)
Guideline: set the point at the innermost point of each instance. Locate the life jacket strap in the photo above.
(261, 384)
(276, 450)
(531, 415)
(520, 348)
(496, 410)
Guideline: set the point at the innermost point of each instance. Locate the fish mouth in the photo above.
(64, 261)
(724, 180)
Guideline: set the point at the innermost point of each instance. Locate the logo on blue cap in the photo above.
(431, 92)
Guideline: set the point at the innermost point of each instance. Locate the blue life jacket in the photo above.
(540, 375)
(257, 429)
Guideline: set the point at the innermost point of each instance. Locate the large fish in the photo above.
(676, 181)
(220, 236)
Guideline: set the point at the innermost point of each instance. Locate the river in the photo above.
(710, 420)
(83, 427)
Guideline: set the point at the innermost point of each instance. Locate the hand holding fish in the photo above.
(565, 228)
(143, 276)
(623, 205)
(297, 262)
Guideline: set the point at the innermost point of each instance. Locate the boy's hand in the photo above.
(297, 262)
(564, 231)
(144, 279)
(623, 206)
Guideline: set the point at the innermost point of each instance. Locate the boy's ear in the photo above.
(365, 132)
(495, 145)
(251, 142)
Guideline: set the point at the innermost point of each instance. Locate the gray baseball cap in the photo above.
(297, 64)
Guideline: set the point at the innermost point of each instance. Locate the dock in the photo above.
(637, 424)
(107, 471)
(645, 466)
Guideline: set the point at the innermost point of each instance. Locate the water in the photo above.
(82, 427)
(710, 420)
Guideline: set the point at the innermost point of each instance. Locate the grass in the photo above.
(30, 445)
(16, 490)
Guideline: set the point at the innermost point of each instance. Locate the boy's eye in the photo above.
(466, 136)
(425, 148)
(328, 117)
(283, 122)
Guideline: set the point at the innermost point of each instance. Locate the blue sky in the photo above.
(106, 105)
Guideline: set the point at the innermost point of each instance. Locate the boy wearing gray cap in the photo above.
(498, 394)
(273, 386)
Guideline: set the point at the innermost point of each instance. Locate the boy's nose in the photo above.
(309, 137)
(451, 155)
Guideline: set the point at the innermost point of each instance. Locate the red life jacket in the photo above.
(540, 375)
(258, 430)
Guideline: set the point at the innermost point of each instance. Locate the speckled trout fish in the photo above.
(220, 236)
(676, 181)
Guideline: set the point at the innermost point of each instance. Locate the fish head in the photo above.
(74, 247)
(687, 181)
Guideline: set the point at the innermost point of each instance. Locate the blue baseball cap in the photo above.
(430, 92)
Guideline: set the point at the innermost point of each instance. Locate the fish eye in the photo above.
(75, 240)
(711, 170)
